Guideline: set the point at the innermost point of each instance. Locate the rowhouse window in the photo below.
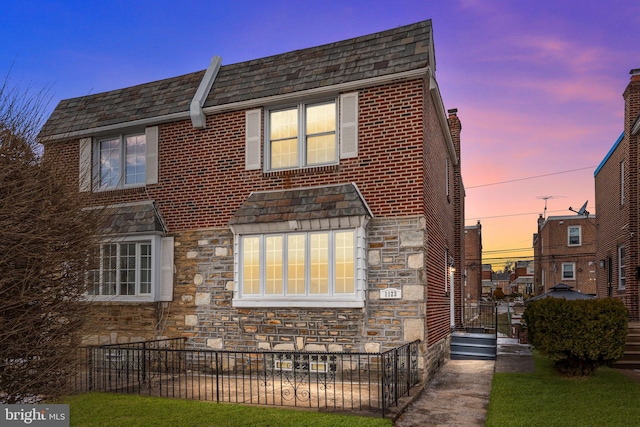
(125, 269)
(568, 271)
(311, 268)
(574, 235)
(621, 267)
(122, 161)
(302, 135)
(134, 268)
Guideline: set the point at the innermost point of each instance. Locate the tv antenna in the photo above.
(545, 198)
(582, 211)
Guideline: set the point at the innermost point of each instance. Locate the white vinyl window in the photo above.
(311, 269)
(121, 161)
(130, 269)
(568, 271)
(621, 268)
(574, 235)
(302, 135)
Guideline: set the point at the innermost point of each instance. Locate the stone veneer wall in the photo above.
(204, 262)
(202, 306)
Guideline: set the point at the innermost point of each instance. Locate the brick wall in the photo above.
(617, 222)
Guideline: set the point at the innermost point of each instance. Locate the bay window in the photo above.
(298, 269)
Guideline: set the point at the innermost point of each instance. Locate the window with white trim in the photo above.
(621, 267)
(130, 269)
(308, 268)
(302, 135)
(568, 271)
(574, 235)
(121, 161)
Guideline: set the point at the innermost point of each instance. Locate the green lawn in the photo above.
(114, 410)
(546, 398)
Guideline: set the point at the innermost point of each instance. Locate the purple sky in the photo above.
(537, 84)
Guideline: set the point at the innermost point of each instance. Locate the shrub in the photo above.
(578, 336)
(498, 293)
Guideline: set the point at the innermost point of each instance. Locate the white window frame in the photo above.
(573, 270)
(99, 186)
(574, 227)
(156, 261)
(331, 299)
(622, 262)
(301, 137)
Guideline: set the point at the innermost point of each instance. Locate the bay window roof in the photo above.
(312, 208)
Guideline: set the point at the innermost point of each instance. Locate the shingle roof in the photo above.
(132, 218)
(333, 201)
(385, 53)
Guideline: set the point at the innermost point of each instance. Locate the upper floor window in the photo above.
(122, 161)
(621, 267)
(304, 135)
(568, 271)
(574, 233)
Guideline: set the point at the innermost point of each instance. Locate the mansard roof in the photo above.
(377, 55)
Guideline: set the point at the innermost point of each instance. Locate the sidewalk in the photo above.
(459, 393)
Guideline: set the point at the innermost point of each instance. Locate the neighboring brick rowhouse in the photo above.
(455, 126)
(473, 262)
(555, 251)
(617, 207)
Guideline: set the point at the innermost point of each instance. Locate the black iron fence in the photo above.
(489, 318)
(332, 381)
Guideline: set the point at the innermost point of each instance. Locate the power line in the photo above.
(515, 214)
(529, 177)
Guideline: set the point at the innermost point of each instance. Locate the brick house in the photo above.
(522, 278)
(473, 263)
(310, 200)
(616, 187)
(564, 252)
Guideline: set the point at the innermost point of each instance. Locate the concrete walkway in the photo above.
(459, 393)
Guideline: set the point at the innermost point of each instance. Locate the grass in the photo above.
(546, 398)
(108, 410)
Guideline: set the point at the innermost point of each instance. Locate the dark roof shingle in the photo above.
(333, 201)
(374, 55)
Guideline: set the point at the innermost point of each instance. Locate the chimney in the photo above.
(540, 222)
(631, 97)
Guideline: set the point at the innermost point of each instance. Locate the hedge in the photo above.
(579, 335)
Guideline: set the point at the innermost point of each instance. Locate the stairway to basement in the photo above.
(631, 357)
(473, 346)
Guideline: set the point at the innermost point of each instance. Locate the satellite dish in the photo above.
(583, 209)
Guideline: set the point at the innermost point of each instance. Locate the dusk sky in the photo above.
(537, 84)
